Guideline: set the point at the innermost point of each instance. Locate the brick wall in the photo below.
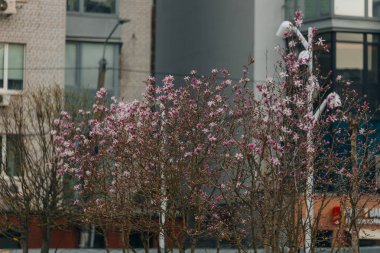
(135, 59)
(40, 25)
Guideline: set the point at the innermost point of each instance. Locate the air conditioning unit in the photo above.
(5, 100)
(8, 7)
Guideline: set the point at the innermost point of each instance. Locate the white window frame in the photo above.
(5, 89)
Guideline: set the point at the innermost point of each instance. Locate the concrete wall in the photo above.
(135, 59)
(267, 18)
(40, 25)
(203, 35)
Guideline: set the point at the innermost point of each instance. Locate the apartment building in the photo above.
(127, 52)
(59, 42)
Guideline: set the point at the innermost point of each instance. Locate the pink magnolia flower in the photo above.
(333, 100)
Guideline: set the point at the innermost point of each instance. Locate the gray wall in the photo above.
(268, 16)
(202, 35)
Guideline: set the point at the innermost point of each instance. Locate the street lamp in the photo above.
(307, 56)
(103, 61)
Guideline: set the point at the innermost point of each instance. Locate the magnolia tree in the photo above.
(216, 159)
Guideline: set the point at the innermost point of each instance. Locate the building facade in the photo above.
(127, 52)
(58, 42)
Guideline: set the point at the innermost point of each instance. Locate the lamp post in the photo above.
(103, 61)
(284, 28)
(288, 27)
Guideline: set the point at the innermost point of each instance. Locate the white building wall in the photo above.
(40, 26)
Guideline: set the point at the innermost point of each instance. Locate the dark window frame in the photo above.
(78, 65)
(81, 9)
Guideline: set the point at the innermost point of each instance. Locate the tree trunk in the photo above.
(355, 241)
(355, 187)
(193, 243)
(106, 244)
(24, 245)
(46, 238)
(24, 240)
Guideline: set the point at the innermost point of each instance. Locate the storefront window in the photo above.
(354, 37)
(349, 61)
(373, 84)
(357, 60)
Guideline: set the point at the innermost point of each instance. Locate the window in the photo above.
(357, 59)
(11, 155)
(72, 5)
(311, 8)
(92, 6)
(324, 239)
(82, 66)
(99, 6)
(11, 66)
(314, 9)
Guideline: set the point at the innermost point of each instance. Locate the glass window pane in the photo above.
(373, 87)
(72, 5)
(15, 67)
(100, 6)
(349, 62)
(289, 9)
(373, 67)
(311, 9)
(374, 8)
(70, 65)
(325, 60)
(373, 38)
(2, 65)
(91, 54)
(349, 37)
(324, 7)
(349, 7)
(14, 157)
